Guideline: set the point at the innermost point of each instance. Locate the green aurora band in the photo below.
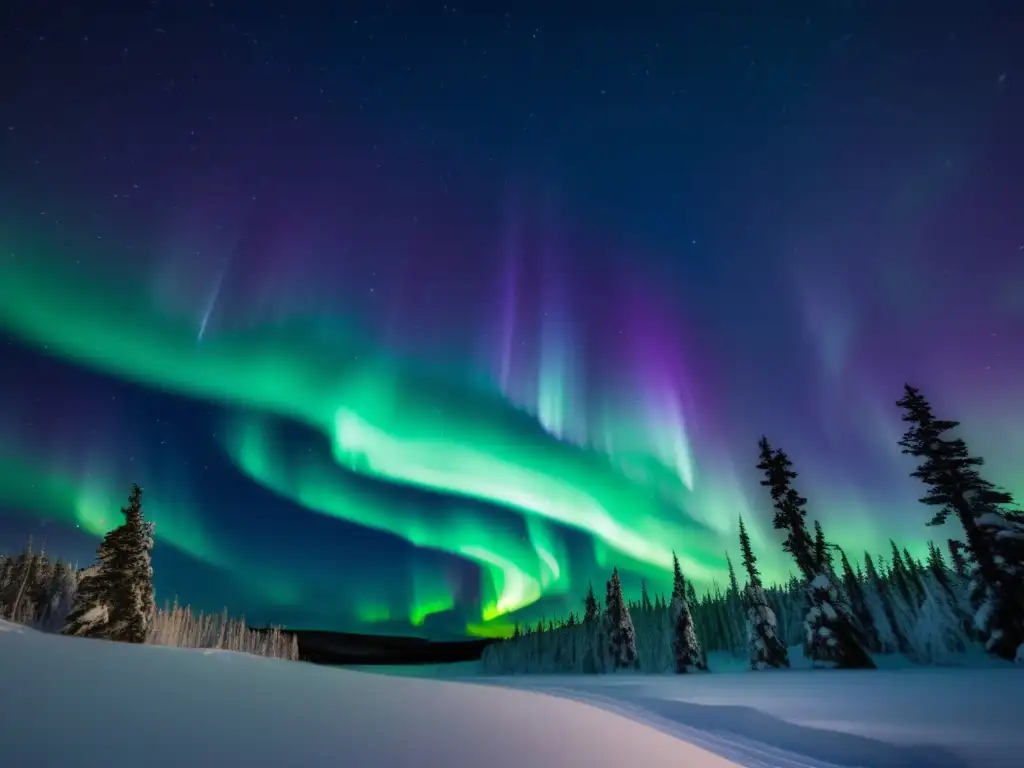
(90, 501)
(516, 572)
(384, 420)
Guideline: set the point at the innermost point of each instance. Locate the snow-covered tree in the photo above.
(686, 651)
(734, 610)
(937, 568)
(90, 613)
(831, 638)
(60, 598)
(956, 555)
(116, 600)
(900, 576)
(822, 550)
(621, 635)
(994, 533)
(766, 649)
(20, 580)
(938, 636)
(879, 602)
(853, 585)
(179, 626)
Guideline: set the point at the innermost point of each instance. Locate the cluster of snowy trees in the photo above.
(180, 627)
(114, 599)
(35, 589)
(842, 615)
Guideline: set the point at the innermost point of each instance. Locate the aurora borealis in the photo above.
(415, 321)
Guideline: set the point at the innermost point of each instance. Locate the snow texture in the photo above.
(887, 718)
(766, 650)
(83, 702)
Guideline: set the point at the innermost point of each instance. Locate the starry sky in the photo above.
(414, 318)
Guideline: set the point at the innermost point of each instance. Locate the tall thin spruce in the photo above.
(766, 649)
(994, 533)
(831, 637)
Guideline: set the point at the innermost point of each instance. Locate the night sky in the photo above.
(411, 318)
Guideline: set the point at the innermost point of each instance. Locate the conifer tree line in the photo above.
(841, 615)
(114, 599)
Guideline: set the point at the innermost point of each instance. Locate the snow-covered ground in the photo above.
(900, 717)
(72, 703)
(68, 702)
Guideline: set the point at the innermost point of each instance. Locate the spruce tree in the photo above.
(691, 594)
(621, 635)
(899, 574)
(678, 583)
(17, 602)
(858, 604)
(686, 650)
(822, 553)
(60, 597)
(591, 611)
(735, 618)
(645, 600)
(789, 508)
(831, 637)
(734, 587)
(937, 567)
(995, 534)
(881, 593)
(766, 649)
(115, 601)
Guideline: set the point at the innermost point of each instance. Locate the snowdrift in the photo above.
(898, 718)
(70, 703)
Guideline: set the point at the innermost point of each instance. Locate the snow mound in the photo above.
(71, 702)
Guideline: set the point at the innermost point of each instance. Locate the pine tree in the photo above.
(766, 649)
(937, 567)
(995, 535)
(734, 611)
(884, 603)
(734, 587)
(822, 550)
(678, 583)
(116, 600)
(789, 508)
(749, 560)
(18, 604)
(686, 650)
(831, 637)
(591, 611)
(858, 604)
(621, 635)
(915, 574)
(60, 598)
(645, 600)
(900, 576)
(691, 593)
